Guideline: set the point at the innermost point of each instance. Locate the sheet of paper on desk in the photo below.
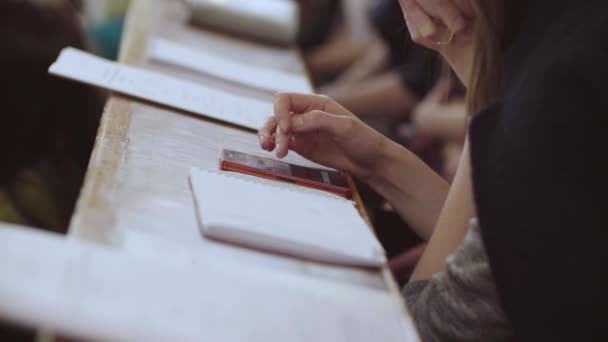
(156, 87)
(296, 221)
(90, 292)
(199, 60)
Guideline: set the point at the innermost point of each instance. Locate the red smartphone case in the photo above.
(268, 174)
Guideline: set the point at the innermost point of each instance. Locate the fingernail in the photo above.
(262, 138)
(427, 29)
(458, 25)
(415, 35)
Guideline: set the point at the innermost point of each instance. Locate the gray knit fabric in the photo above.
(461, 303)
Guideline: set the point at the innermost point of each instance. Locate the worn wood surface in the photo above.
(136, 192)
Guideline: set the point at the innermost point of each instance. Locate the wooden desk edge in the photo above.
(110, 143)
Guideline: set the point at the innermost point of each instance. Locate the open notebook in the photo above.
(157, 87)
(275, 21)
(90, 292)
(283, 218)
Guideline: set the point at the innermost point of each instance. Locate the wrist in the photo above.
(414, 190)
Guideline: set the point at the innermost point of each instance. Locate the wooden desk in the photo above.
(136, 189)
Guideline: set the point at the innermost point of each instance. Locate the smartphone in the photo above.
(332, 181)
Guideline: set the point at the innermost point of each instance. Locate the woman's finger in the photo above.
(424, 30)
(414, 34)
(418, 21)
(282, 141)
(339, 127)
(447, 11)
(266, 134)
(287, 104)
(336, 126)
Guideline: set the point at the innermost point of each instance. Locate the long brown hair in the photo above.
(494, 31)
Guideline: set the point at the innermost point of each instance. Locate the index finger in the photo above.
(419, 23)
(287, 104)
(446, 10)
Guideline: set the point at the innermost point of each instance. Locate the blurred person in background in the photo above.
(48, 124)
(103, 24)
(318, 18)
(442, 115)
(386, 93)
(347, 37)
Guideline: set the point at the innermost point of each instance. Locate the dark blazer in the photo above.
(540, 167)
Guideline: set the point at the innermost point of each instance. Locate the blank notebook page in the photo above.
(292, 220)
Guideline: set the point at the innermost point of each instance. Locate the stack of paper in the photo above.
(296, 221)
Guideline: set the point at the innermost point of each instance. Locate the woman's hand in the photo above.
(445, 26)
(321, 130)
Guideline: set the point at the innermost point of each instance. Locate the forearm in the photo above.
(335, 55)
(446, 121)
(382, 96)
(415, 191)
(452, 224)
(370, 63)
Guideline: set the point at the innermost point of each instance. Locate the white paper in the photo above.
(91, 292)
(166, 51)
(276, 21)
(156, 87)
(305, 222)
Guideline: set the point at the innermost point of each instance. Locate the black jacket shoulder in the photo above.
(540, 180)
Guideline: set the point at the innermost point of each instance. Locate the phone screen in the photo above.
(279, 170)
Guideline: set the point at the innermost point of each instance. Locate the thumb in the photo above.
(319, 121)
